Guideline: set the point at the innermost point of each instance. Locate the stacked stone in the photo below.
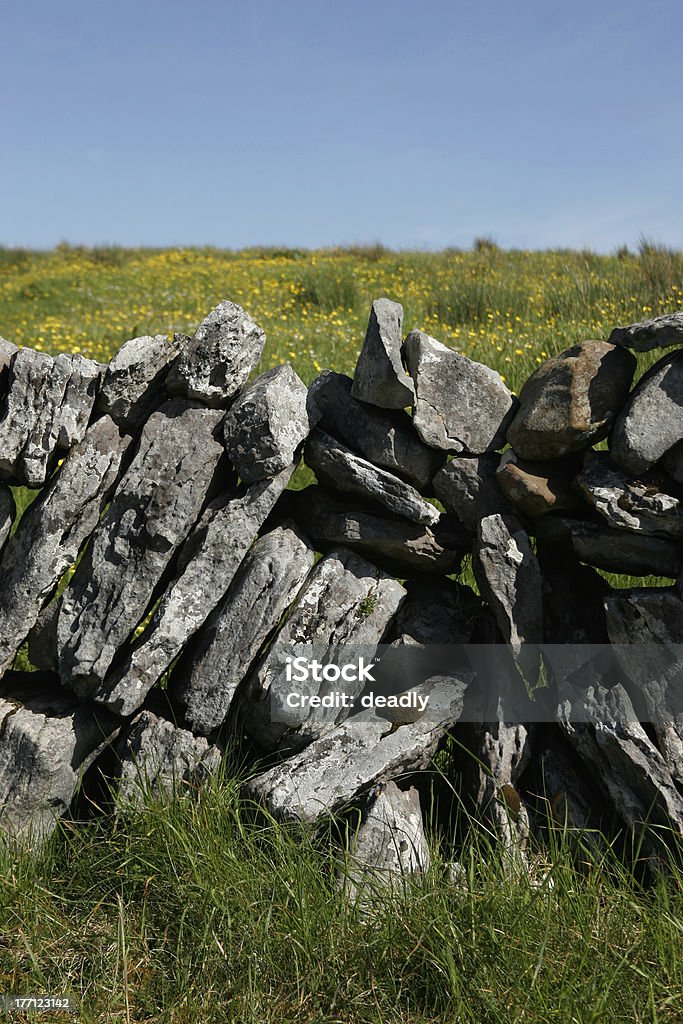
(164, 568)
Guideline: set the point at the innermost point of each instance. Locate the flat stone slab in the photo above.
(385, 438)
(536, 488)
(219, 358)
(207, 564)
(651, 422)
(627, 503)
(380, 378)
(47, 410)
(620, 551)
(53, 530)
(572, 400)
(338, 467)
(661, 332)
(47, 740)
(398, 546)
(134, 381)
(219, 657)
(152, 511)
(266, 424)
(460, 405)
(468, 487)
(158, 758)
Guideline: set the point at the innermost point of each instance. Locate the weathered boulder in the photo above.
(387, 439)
(536, 488)
(620, 551)
(266, 424)
(134, 381)
(338, 467)
(394, 544)
(214, 663)
(158, 758)
(468, 487)
(47, 740)
(53, 530)
(7, 513)
(47, 410)
(571, 400)
(460, 405)
(344, 608)
(219, 358)
(380, 378)
(152, 511)
(661, 332)
(640, 505)
(207, 564)
(651, 422)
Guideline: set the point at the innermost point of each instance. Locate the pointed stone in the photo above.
(460, 405)
(625, 503)
(661, 332)
(651, 422)
(467, 486)
(380, 378)
(134, 382)
(218, 360)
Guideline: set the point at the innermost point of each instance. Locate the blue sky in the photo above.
(313, 123)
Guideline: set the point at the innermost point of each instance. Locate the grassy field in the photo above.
(191, 912)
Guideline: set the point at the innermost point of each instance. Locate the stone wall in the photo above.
(165, 566)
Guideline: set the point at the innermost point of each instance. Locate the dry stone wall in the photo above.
(165, 566)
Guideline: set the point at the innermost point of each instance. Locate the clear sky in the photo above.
(310, 123)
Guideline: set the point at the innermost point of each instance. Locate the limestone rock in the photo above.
(266, 424)
(380, 378)
(47, 739)
(53, 530)
(468, 487)
(157, 757)
(213, 665)
(572, 400)
(651, 422)
(387, 439)
(7, 513)
(337, 466)
(345, 606)
(395, 545)
(661, 332)
(134, 382)
(460, 405)
(42, 639)
(152, 511)
(536, 488)
(620, 551)
(47, 410)
(630, 504)
(207, 564)
(218, 360)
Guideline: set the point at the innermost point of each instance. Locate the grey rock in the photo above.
(152, 511)
(645, 625)
(467, 487)
(627, 503)
(7, 353)
(47, 410)
(207, 564)
(673, 462)
(387, 439)
(266, 424)
(42, 639)
(134, 382)
(159, 759)
(390, 846)
(47, 740)
(212, 666)
(218, 360)
(661, 332)
(509, 579)
(380, 378)
(337, 466)
(395, 545)
(536, 488)
(620, 551)
(7, 513)
(571, 400)
(567, 794)
(53, 530)
(651, 422)
(435, 611)
(460, 405)
(345, 606)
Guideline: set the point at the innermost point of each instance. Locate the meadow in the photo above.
(192, 912)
